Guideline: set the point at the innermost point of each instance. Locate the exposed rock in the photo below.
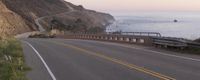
(175, 20)
(10, 22)
(18, 16)
(83, 20)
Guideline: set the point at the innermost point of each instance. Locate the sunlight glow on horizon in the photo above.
(139, 5)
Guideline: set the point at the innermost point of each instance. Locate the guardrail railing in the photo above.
(193, 44)
(156, 34)
(174, 42)
(137, 33)
(143, 38)
(169, 42)
(135, 39)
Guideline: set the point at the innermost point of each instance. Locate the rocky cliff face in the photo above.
(18, 16)
(10, 22)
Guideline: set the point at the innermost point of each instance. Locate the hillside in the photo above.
(10, 22)
(18, 16)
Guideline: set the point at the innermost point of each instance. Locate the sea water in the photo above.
(188, 25)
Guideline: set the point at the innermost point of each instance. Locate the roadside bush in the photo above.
(194, 50)
(12, 65)
(41, 36)
(38, 36)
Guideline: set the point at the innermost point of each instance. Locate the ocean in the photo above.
(188, 25)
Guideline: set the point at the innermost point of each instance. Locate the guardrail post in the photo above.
(106, 38)
(102, 37)
(93, 37)
(97, 37)
(127, 40)
(111, 38)
(141, 40)
(75, 36)
(116, 38)
(121, 39)
(134, 40)
(84, 36)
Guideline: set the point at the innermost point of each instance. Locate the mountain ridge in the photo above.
(26, 12)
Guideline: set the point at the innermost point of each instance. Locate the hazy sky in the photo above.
(140, 5)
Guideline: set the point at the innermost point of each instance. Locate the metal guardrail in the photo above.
(156, 34)
(193, 44)
(138, 33)
(169, 42)
(134, 39)
(174, 42)
(146, 38)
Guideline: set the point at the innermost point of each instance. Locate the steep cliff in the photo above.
(10, 22)
(18, 16)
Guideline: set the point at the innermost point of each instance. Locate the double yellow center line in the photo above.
(126, 64)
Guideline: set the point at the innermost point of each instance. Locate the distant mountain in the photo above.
(18, 16)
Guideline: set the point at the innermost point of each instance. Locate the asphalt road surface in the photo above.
(62, 59)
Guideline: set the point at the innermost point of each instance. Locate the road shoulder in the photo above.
(38, 71)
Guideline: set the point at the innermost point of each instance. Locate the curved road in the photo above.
(62, 59)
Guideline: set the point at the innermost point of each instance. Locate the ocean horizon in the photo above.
(188, 25)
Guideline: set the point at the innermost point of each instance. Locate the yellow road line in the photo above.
(129, 65)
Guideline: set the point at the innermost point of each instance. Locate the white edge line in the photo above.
(157, 52)
(45, 64)
(188, 58)
(182, 57)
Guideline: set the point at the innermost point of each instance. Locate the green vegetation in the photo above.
(194, 50)
(12, 65)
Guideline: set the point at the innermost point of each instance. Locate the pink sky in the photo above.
(140, 5)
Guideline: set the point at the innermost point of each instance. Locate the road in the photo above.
(37, 22)
(68, 59)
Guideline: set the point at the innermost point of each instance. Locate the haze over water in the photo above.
(188, 25)
(159, 15)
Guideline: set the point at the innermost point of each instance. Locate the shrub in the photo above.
(42, 36)
(12, 65)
